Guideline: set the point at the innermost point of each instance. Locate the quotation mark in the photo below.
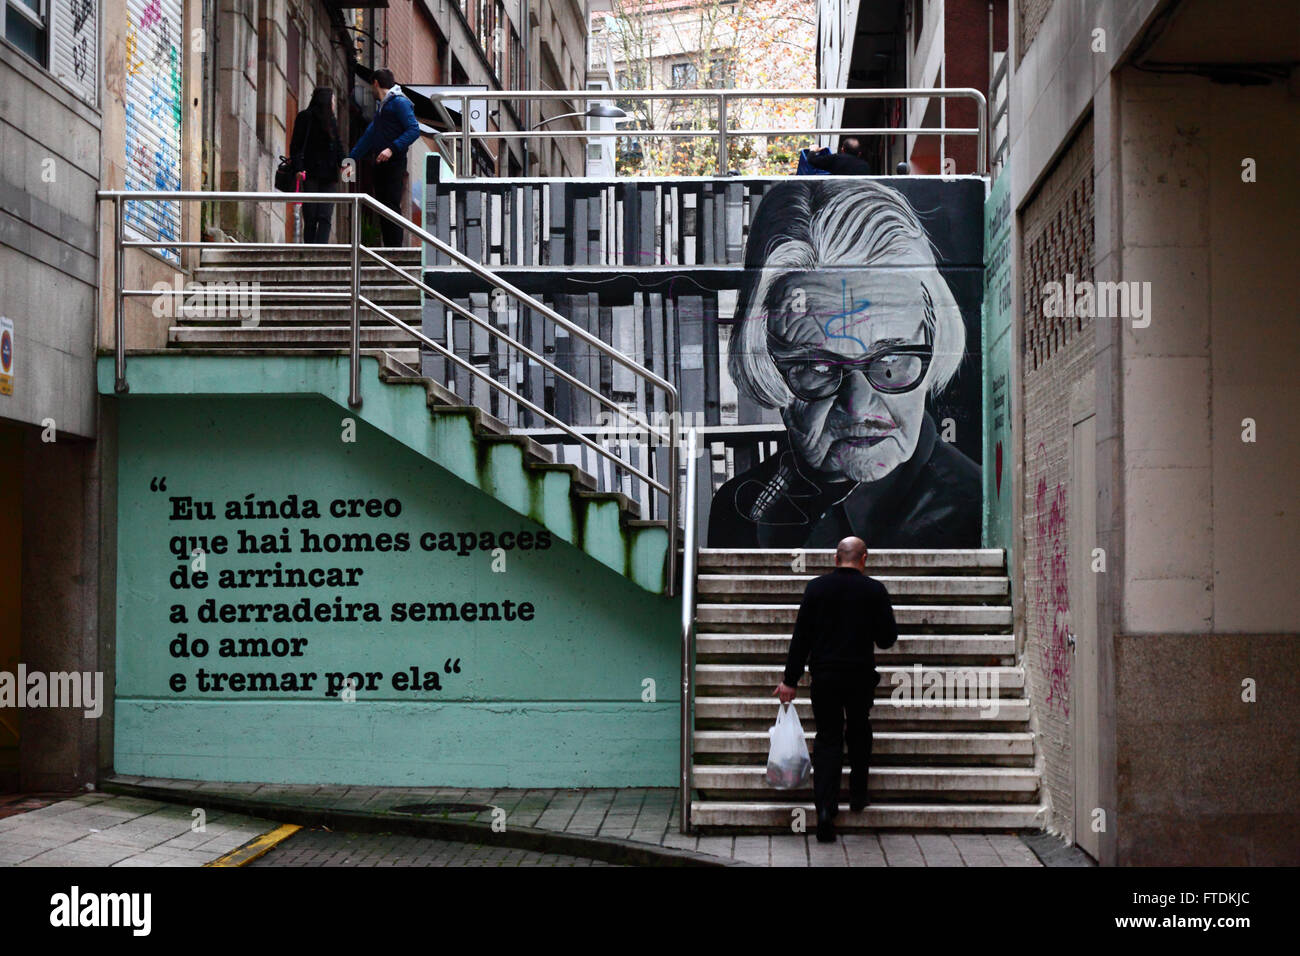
(158, 484)
(450, 668)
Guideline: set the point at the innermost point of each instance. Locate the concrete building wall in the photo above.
(551, 696)
(1194, 521)
(50, 138)
(50, 142)
(1209, 602)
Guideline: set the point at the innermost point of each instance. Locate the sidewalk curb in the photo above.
(608, 849)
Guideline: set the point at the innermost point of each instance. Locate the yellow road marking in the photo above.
(251, 850)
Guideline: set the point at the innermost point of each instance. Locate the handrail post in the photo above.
(687, 754)
(465, 164)
(722, 134)
(119, 313)
(354, 350)
(673, 415)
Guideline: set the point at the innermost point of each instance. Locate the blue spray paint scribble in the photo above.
(850, 306)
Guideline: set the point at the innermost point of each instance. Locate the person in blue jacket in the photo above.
(386, 140)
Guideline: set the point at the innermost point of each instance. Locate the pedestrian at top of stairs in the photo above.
(316, 153)
(386, 141)
(844, 616)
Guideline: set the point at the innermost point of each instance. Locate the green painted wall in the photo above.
(554, 701)
(999, 450)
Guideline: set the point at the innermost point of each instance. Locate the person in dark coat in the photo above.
(386, 141)
(847, 162)
(845, 325)
(316, 153)
(844, 616)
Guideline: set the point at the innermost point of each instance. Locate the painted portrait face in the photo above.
(854, 349)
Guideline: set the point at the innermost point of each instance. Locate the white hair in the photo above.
(814, 226)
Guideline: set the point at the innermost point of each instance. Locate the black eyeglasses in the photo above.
(892, 370)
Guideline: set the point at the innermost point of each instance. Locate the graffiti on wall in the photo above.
(153, 116)
(1052, 591)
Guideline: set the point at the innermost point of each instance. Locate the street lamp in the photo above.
(596, 111)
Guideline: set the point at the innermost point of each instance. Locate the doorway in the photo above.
(1083, 623)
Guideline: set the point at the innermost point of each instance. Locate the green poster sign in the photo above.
(998, 447)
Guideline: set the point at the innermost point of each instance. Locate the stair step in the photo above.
(292, 273)
(768, 648)
(884, 743)
(775, 816)
(231, 253)
(760, 712)
(916, 561)
(1011, 783)
(748, 588)
(769, 617)
(761, 678)
(276, 336)
(285, 304)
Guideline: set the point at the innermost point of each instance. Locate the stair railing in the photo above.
(358, 201)
(724, 130)
(690, 551)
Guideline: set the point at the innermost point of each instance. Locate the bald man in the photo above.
(844, 616)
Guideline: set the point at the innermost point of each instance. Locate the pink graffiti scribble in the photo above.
(151, 14)
(1052, 592)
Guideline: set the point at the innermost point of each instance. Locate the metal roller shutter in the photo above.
(73, 46)
(153, 116)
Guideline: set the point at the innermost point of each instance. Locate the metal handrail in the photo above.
(690, 548)
(465, 135)
(358, 201)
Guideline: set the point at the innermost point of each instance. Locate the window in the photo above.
(26, 26)
(498, 41)
(516, 61)
(685, 76)
(719, 74)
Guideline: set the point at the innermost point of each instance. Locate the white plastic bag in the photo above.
(788, 763)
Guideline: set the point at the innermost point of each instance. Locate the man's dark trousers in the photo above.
(841, 699)
(388, 179)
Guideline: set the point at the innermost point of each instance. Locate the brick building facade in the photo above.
(1056, 359)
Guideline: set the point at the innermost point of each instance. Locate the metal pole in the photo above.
(119, 315)
(673, 416)
(354, 352)
(688, 624)
(722, 134)
(465, 165)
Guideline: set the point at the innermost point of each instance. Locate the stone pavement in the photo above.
(99, 829)
(644, 815)
(323, 848)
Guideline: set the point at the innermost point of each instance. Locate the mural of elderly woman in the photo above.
(845, 324)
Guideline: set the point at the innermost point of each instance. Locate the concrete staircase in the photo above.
(306, 323)
(936, 764)
(422, 413)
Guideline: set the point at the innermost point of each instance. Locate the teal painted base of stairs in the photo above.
(425, 417)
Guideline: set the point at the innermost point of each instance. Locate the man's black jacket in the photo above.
(844, 617)
(841, 164)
